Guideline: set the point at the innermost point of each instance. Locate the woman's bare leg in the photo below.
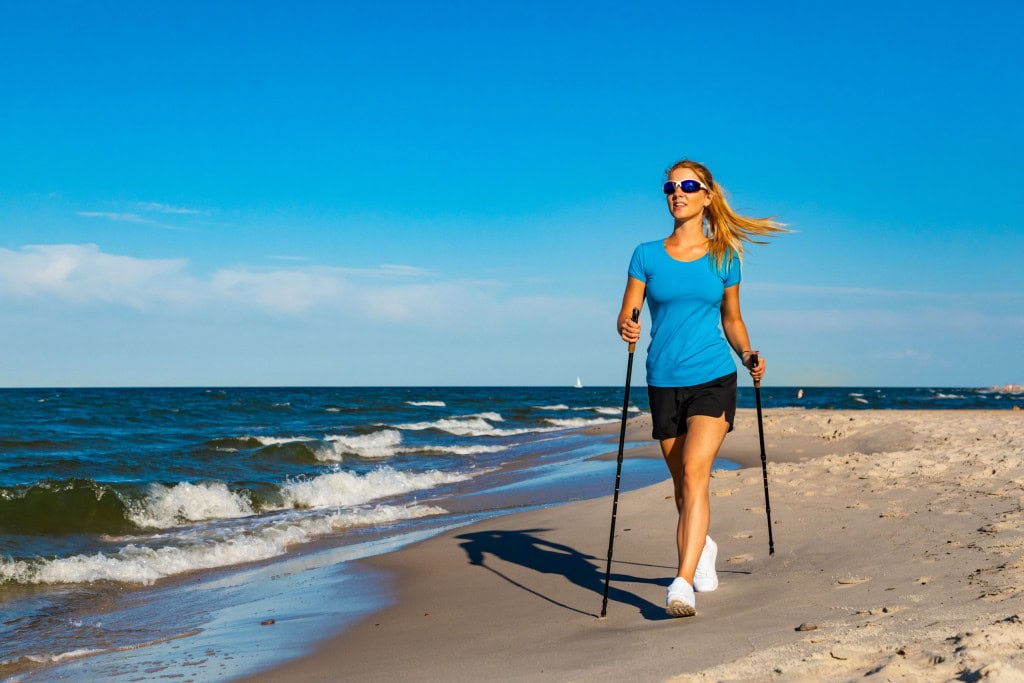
(689, 459)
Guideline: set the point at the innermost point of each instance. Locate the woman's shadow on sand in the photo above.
(524, 548)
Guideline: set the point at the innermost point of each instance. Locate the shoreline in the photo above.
(880, 547)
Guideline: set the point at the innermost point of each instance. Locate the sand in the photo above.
(898, 554)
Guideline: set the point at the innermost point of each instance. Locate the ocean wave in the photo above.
(297, 452)
(559, 406)
(345, 488)
(458, 450)
(244, 443)
(279, 440)
(614, 411)
(380, 444)
(429, 404)
(85, 506)
(141, 564)
(63, 506)
(577, 422)
(491, 417)
(468, 426)
(186, 503)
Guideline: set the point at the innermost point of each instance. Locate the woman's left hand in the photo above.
(756, 371)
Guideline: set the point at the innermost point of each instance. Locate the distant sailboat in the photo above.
(579, 384)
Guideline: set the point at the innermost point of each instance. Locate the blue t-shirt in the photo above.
(685, 298)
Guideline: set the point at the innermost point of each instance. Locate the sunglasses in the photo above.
(687, 186)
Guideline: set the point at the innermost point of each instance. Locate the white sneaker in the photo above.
(680, 601)
(705, 579)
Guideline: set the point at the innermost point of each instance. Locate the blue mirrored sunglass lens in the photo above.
(687, 186)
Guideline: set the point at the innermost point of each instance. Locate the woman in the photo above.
(691, 281)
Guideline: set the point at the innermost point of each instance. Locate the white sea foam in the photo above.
(382, 444)
(576, 422)
(491, 417)
(559, 406)
(469, 426)
(166, 507)
(346, 488)
(278, 440)
(940, 395)
(615, 411)
(51, 659)
(145, 565)
(432, 404)
(462, 450)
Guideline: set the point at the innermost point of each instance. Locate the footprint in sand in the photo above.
(852, 580)
(723, 492)
(743, 535)
(999, 594)
(739, 559)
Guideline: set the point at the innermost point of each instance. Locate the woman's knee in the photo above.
(695, 480)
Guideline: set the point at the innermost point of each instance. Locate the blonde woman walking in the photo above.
(691, 281)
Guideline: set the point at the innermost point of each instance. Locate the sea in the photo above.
(160, 532)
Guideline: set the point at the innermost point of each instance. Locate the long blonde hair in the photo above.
(726, 229)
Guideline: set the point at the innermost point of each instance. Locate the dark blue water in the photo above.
(103, 490)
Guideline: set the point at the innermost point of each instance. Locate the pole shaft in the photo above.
(619, 468)
(764, 467)
(618, 478)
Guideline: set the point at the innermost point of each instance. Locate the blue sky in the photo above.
(417, 193)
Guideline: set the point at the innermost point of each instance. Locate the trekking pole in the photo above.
(618, 469)
(764, 458)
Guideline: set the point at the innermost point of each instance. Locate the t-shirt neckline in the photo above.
(664, 250)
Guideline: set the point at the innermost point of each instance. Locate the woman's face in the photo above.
(684, 206)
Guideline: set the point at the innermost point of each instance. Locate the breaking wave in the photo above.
(141, 564)
(86, 506)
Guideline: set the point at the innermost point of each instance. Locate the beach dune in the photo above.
(899, 553)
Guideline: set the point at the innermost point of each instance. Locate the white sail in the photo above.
(579, 384)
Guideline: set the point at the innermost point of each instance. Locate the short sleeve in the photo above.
(637, 267)
(732, 273)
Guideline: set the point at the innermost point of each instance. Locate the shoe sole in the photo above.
(678, 608)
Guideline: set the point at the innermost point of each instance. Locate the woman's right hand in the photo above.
(629, 330)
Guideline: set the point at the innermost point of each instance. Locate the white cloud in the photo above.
(114, 216)
(284, 291)
(157, 207)
(81, 273)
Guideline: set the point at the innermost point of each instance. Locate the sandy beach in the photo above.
(898, 554)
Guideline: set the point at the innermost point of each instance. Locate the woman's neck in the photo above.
(690, 231)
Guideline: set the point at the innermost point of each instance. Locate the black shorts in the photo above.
(672, 406)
